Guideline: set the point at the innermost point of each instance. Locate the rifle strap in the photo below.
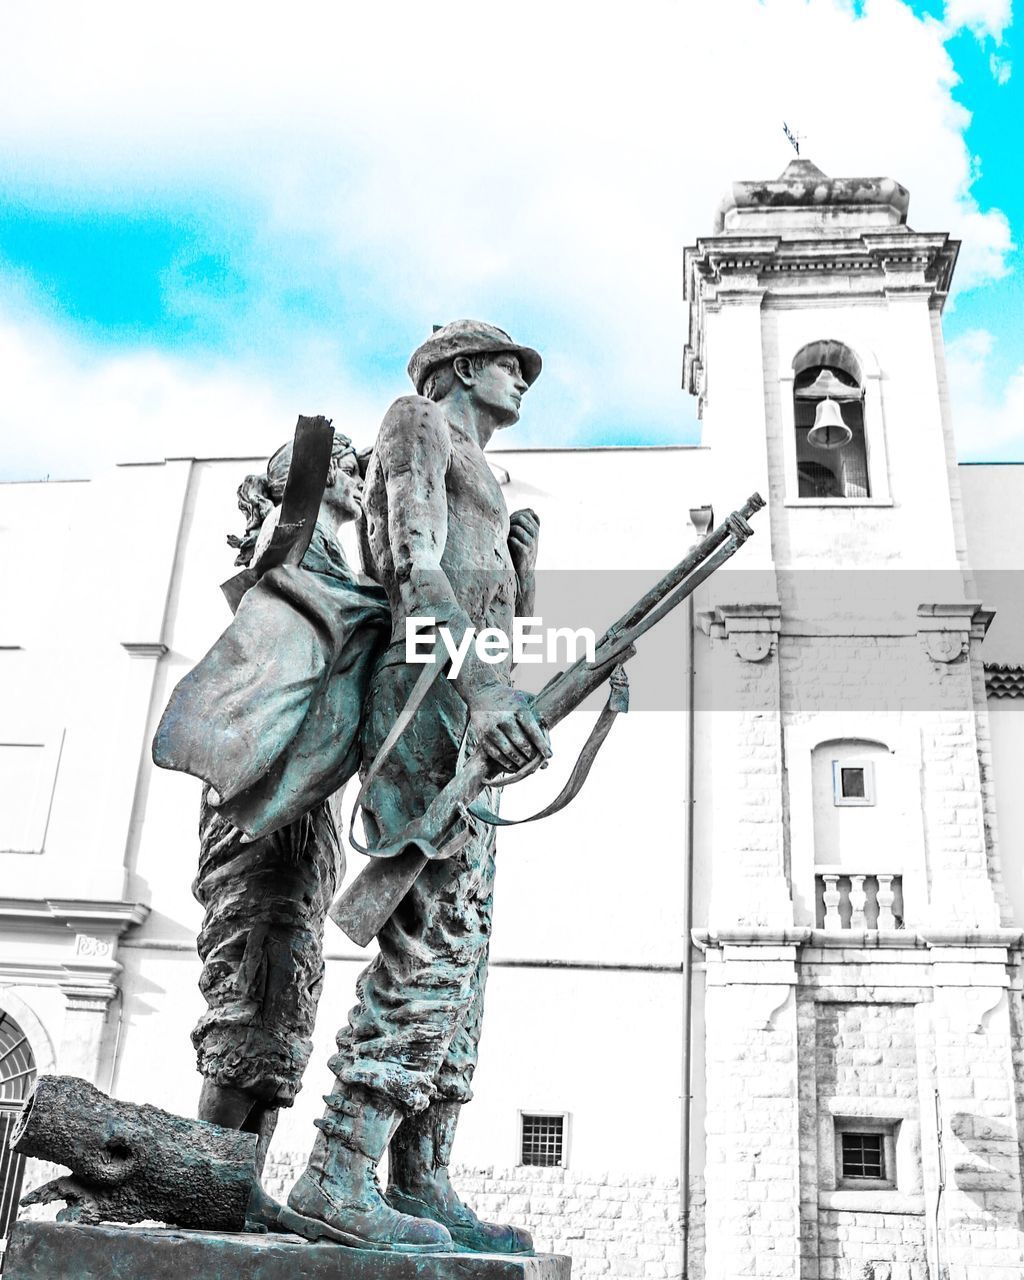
(424, 683)
(618, 701)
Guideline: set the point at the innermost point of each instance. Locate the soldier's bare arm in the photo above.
(414, 451)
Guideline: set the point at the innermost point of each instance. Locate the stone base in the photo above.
(48, 1250)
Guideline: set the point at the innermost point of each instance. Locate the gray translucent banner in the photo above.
(885, 640)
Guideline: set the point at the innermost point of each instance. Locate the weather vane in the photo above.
(794, 138)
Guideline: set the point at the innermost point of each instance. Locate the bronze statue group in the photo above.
(305, 689)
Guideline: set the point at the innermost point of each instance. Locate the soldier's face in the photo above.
(500, 386)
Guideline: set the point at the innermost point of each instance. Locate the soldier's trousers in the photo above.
(414, 1032)
(261, 947)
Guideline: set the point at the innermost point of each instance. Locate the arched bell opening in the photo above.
(828, 412)
(17, 1079)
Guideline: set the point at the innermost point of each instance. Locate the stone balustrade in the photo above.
(858, 900)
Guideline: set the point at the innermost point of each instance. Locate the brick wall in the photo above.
(975, 1074)
(867, 1052)
(753, 1151)
(748, 884)
(871, 1246)
(1015, 999)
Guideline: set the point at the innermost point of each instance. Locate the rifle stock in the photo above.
(369, 901)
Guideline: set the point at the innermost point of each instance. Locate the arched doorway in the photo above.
(17, 1076)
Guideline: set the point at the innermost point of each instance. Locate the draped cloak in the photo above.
(270, 717)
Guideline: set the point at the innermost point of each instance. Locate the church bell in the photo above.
(829, 430)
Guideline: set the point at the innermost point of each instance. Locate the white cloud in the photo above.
(988, 415)
(66, 409)
(983, 17)
(543, 165)
(1001, 68)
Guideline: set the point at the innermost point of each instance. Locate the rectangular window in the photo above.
(542, 1140)
(863, 1155)
(28, 776)
(853, 782)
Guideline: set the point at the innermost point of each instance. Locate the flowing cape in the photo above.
(270, 717)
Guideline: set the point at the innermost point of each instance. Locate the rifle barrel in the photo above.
(687, 587)
(689, 562)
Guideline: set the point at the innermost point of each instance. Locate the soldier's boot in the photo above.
(418, 1183)
(338, 1197)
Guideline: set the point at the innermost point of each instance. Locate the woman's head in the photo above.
(259, 494)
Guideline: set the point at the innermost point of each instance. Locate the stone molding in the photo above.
(949, 947)
(947, 629)
(764, 976)
(871, 1202)
(927, 256)
(145, 648)
(88, 977)
(73, 912)
(897, 264)
(753, 629)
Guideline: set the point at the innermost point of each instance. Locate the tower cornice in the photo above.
(777, 271)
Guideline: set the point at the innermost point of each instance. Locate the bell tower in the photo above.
(854, 920)
(814, 289)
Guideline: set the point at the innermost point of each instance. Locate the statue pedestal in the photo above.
(46, 1250)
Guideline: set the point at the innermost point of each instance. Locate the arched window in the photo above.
(828, 410)
(17, 1076)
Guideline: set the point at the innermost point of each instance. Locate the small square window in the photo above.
(865, 1155)
(542, 1140)
(853, 782)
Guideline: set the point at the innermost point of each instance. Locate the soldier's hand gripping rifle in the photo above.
(372, 897)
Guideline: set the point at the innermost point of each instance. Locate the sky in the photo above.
(215, 217)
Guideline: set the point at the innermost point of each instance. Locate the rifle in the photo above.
(369, 901)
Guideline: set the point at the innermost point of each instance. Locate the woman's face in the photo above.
(345, 492)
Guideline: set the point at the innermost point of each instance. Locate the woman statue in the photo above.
(269, 719)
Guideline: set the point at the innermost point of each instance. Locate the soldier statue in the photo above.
(442, 545)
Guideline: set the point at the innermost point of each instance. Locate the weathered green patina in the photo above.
(131, 1162)
(47, 1250)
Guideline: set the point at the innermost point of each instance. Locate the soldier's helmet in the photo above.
(468, 338)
